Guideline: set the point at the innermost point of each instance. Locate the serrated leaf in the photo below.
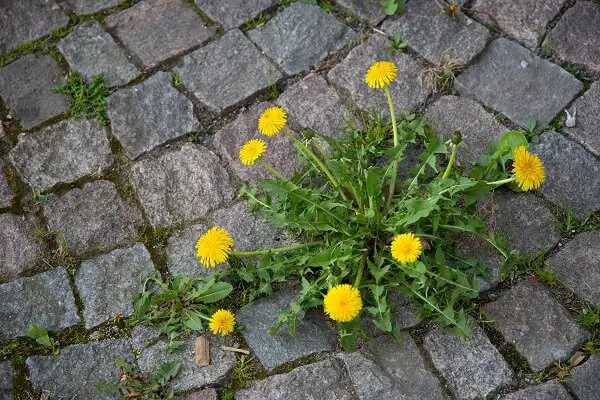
(213, 293)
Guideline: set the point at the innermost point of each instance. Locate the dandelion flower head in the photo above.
(406, 248)
(252, 150)
(528, 169)
(213, 247)
(342, 303)
(222, 321)
(381, 74)
(271, 121)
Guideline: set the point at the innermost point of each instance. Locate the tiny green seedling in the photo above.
(40, 335)
(589, 316)
(391, 7)
(87, 100)
(397, 45)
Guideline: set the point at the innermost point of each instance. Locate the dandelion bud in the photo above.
(456, 137)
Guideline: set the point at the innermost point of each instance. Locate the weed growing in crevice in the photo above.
(589, 316)
(86, 100)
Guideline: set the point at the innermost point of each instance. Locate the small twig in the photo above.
(235, 350)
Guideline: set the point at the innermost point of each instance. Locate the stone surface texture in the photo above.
(479, 250)
(61, 153)
(148, 30)
(577, 266)
(385, 369)
(19, 251)
(6, 193)
(93, 218)
(366, 10)
(206, 394)
(536, 324)
(181, 253)
(437, 37)
(407, 90)
(106, 284)
(586, 131)
(44, 299)
(91, 51)
(571, 174)
(313, 334)
(584, 382)
(310, 35)
(545, 391)
(26, 88)
(181, 186)
(227, 72)
(73, 373)
(473, 368)
(321, 380)
(529, 86)
(7, 375)
(92, 6)
(233, 13)
(150, 114)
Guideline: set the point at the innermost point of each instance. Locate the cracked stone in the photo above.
(407, 91)
(7, 376)
(545, 391)
(93, 218)
(233, 13)
(74, 372)
(529, 86)
(577, 266)
(91, 51)
(313, 334)
(309, 35)
(148, 30)
(536, 324)
(181, 186)
(19, 251)
(571, 174)
(26, 88)
(227, 72)
(149, 114)
(584, 382)
(385, 369)
(44, 299)
(587, 129)
(437, 37)
(61, 153)
(92, 6)
(473, 368)
(469, 245)
(366, 10)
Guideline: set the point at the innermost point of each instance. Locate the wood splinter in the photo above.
(235, 350)
(202, 357)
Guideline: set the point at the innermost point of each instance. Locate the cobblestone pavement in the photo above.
(86, 211)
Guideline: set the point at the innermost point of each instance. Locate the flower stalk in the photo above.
(275, 250)
(394, 176)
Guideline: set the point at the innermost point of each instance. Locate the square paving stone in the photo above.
(366, 10)
(181, 186)
(233, 13)
(473, 368)
(407, 91)
(152, 353)
(106, 284)
(156, 30)
(545, 391)
(6, 193)
(44, 299)
(571, 174)
(479, 128)
(437, 37)
(91, 51)
(386, 369)
(74, 373)
(536, 324)
(92, 6)
(22, 21)
(584, 382)
(227, 72)
(7, 376)
(313, 334)
(229, 139)
(576, 36)
(19, 250)
(150, 114)
(301, 36)
(525, 20)
(587, 129)
(528, 86)
(577, 266)
(26, 88)
(93, 218)
(321, 380)
(61, 153)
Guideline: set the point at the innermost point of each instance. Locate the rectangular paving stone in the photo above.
(106, 284)
(588, 119)
(75, 371)
(519, 84)
(407, 91)
(301, 36)
(436, 36)
(61, 153)
(91, 51)
(366, 10)
(227, 72)
(22, 21)
(182, 186)
(584, 382)
(545, 391)
(156, 30)
(93, 218)
(44, 299)
(537, 325)
(19, 250)
(26, 88)
(233, 13)
(150, 114)
(92, 6)
(7, 376)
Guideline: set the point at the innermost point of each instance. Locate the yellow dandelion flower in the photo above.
(528, 169)
(252, 150)
(271, 121)
(406, 248)
(222, 321)
(213, 247)
(381, 74)
(342, 303)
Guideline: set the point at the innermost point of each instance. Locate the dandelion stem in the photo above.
(361, 268)
(275, 250)
(503, 181)
(451, 162)
(272, 170)
(394, 176)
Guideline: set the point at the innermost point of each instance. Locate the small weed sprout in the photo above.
(87, 100)
(441, 77)
(397, 45)
(391, 7)
(40, 334)
(589, 316)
